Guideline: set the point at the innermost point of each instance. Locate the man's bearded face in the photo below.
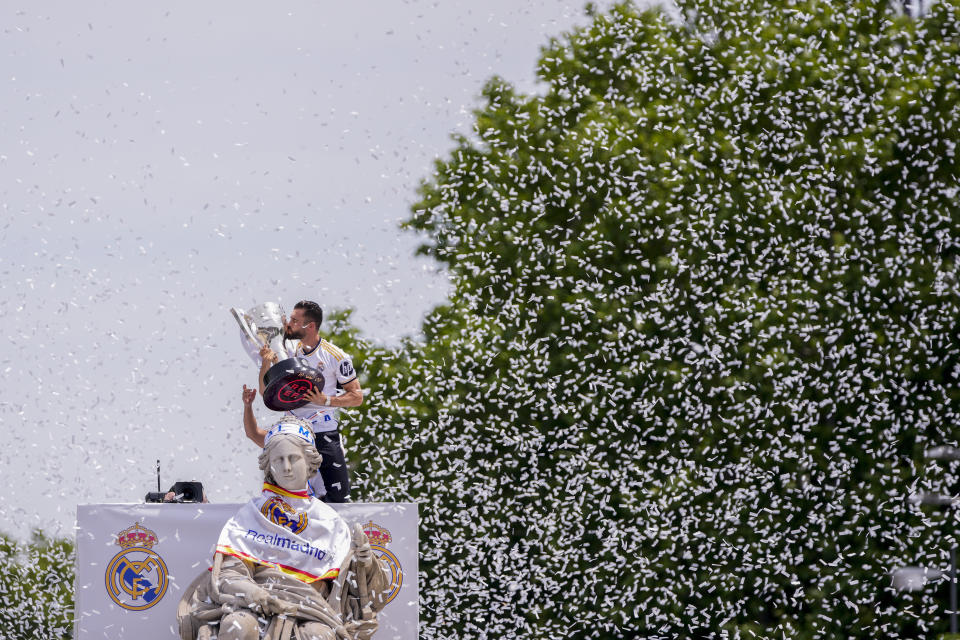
(296, 328)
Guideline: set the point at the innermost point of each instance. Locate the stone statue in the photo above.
(287, 566)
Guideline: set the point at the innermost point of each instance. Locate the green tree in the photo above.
(703, 324)
(36, 588)
(371, 431)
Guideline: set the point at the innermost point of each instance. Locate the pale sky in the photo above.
(162, 162)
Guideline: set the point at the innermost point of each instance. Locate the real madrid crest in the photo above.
(379, 538)
(283, 515)
(137, 577)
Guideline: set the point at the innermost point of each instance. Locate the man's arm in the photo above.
(267, 359)
(352, 396)
(250, 426)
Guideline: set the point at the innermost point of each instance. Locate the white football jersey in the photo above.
(334, 366)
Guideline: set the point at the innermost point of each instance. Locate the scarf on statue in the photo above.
(288, 530)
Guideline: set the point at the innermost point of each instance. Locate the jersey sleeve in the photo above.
(345, 371)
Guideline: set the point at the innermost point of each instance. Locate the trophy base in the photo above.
(286, 382)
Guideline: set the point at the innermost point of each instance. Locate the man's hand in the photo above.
(315, 396)
(268, 355)
(250, 426)
(267, 359)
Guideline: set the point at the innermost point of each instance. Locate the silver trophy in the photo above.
(263, 325)
(291, 378)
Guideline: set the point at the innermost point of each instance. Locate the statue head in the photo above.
(289, 456)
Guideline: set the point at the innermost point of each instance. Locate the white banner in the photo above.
(135, 560)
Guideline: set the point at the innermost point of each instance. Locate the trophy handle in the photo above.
(241, 319)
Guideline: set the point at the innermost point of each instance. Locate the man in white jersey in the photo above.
(322, 411)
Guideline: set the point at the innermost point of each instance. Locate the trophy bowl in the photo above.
(287, 382)
(262, 326)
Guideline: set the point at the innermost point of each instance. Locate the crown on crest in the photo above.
(377, 535)
(136, 536)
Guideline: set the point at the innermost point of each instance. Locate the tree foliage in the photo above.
(703, 325)
(36, 588)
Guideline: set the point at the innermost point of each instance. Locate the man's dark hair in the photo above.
(311, 311)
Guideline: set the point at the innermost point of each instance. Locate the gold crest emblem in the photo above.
(283, 515)
(137, 577)
(379, 538)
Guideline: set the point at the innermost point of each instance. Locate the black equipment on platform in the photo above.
(182, 491)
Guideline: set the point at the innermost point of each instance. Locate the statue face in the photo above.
(288, 466)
